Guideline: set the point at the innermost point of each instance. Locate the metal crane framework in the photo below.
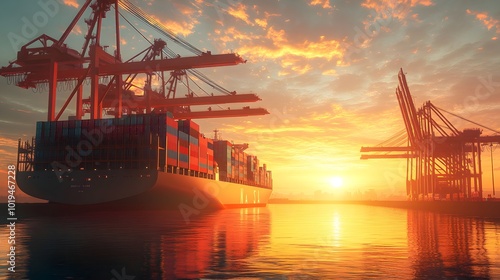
(48, 61)
(442, 162)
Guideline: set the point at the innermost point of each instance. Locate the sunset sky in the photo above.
(325, 70)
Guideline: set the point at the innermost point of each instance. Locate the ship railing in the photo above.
(25, 155)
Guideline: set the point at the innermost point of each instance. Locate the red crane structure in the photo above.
(112, 81)
(442, 162)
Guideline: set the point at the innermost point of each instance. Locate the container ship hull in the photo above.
(141, 187)
(150, 160)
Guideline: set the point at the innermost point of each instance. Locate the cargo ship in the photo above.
(150, 159)
(147, 149)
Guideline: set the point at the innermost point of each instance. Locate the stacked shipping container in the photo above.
(237, 166)
(203, 156)
(172, 150)
(192, 131)
(143, 141)
(210, 156)
(223, 156)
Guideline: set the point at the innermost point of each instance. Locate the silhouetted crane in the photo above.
(442, 162)
(46, 60)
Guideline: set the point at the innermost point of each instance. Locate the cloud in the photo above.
(71, 3)
(291, 54)
(400, 10)
(7, 142)
(232, 34)
(179, 17)
(261, 22)
(325, 4)
(239, 12)
(8, 147)
(77, 30)
(184, 28)
(487, 20)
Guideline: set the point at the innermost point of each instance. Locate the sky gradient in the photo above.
(325, 70)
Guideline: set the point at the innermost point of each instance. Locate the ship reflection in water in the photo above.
(277, 242)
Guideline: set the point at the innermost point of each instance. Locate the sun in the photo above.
(336, 182)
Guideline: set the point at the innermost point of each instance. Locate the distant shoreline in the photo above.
(312, 201)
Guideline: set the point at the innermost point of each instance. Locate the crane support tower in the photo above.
(443, 163)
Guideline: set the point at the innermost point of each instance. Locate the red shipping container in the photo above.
(194, 150)
(203, 154)
(172, 161)
(172, 150)
(194, 158)
(184, 150)
(193, 164)
(210, 164)
(171, 122)
(172, 142)
(183, 164)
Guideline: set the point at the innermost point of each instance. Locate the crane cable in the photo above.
(199, 75)
(467, 120)
(395, 138)
(171, 54)
(168, 52)
(153, 22)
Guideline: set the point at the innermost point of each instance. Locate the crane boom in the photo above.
(205, 100)
(72, 71)
(221, 113)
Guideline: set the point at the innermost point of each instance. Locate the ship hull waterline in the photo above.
(140, 187)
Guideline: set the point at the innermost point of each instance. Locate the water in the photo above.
(333, 241)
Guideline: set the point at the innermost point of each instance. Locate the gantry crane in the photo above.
(46, 60)
(442, 162)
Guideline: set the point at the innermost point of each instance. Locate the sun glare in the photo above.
(336, 182)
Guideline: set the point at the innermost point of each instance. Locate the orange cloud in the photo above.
(240, 12)
(329, 72)
(274, 44)
(261, 22)
(487, 20)
(71, 3)
(182, 28)
(77, 30)
(7, 142)
(232, 34)
(278, 36)
(396, 9)
(323, 3)
(186, 9)
(290, 54)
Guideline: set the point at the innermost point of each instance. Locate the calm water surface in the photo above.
(278, 242)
